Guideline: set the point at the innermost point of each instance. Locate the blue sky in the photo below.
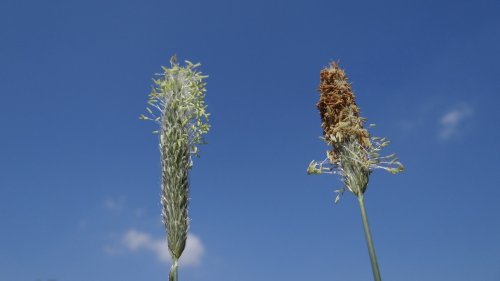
(79, 187)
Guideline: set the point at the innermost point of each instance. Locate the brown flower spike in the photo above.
(338, 110)
(354, 152)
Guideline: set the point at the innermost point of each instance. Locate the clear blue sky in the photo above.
(79, 180)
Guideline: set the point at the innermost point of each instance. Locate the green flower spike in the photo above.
(176, 104)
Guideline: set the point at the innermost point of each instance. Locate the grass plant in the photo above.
(176, 104)
(354, 153)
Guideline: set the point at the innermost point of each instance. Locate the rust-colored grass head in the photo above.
(338, 110)
(353, 154)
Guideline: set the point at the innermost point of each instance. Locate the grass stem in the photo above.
(369, 241)
(172, 276)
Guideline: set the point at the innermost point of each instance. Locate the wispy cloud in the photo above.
(135, 240)
(452, 121)
(115, 204)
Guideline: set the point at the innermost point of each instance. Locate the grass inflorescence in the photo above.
(354, 153)
(176, 104)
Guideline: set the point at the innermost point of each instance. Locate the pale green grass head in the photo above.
(176, 104)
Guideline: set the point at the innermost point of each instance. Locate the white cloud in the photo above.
(451, 122)
(136, 240)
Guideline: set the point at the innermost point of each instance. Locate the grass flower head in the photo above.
(354, 153)
(176, 104)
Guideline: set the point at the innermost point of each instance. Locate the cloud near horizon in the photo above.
(136, 240)
(451, 122)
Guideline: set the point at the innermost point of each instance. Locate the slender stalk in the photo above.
(369, 241)
(172, 276)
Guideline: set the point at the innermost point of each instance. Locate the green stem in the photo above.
(172, 276)
(369, 241)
